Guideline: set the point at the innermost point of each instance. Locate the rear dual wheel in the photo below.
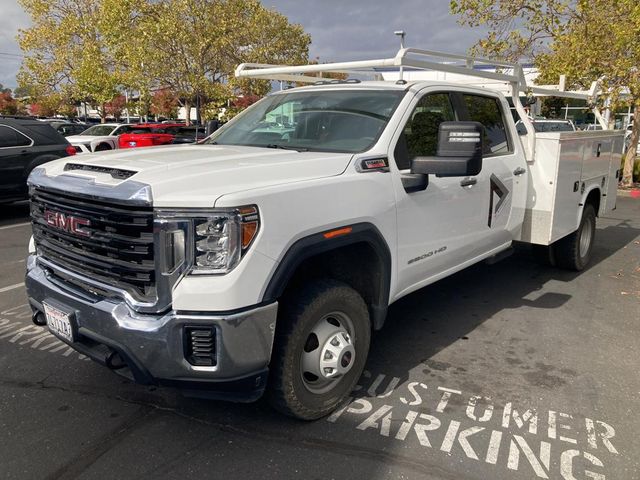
(574, 251)
(321, 347)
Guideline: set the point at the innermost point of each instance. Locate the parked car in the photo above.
(191, 134)
(99, 137)
(68, 129)
(150, 135)
(24, 145)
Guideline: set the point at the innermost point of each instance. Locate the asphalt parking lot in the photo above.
(510, 371)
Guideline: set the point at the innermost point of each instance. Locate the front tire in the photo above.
(321, 346)
(574, 251)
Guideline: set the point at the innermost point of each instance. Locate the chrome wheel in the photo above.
(328, 353)
(586, 235)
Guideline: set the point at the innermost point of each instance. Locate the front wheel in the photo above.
(322, 342)
(574, 251)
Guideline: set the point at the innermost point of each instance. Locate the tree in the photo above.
(66, 53)
(586, 40)
(8, 105)
(164, 103)
(115, 106)
(196, 45)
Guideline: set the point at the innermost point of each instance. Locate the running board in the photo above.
(499, 256)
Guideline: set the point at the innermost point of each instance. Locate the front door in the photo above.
(447, 223)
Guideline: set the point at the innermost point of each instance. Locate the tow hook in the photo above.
(38, 318)
(114, 361)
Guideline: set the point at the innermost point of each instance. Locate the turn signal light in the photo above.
(338, 232)
(250, 221)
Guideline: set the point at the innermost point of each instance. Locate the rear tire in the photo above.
(321, 346)
(102, 148)
(573, 252)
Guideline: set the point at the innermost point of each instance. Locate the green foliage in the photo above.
(585, 40)
(90, 50)
(66, 53)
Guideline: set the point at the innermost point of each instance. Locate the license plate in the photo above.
(59, 322)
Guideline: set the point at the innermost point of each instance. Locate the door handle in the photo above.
(519, 171)
(467, 182)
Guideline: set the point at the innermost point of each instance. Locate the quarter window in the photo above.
(12, 138)
(486, 110)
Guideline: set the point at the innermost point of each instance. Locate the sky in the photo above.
(340, 29)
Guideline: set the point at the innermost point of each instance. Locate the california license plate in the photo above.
(59, 322)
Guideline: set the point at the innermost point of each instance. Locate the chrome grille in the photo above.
(116, 248)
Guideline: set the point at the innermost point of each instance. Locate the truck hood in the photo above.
(196, 175)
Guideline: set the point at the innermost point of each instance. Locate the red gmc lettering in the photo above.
(68, 223)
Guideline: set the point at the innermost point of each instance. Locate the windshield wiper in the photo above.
(286, 147)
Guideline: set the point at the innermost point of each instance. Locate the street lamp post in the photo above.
(401, 34)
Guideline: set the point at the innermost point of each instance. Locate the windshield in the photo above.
(331, 121)
(99, 130)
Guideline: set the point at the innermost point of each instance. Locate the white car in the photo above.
(99, 137)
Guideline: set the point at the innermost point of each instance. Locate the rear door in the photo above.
(500, 191)
(15, 152)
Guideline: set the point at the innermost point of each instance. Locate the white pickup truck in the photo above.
(265, 258)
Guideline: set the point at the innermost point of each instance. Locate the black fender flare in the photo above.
(316, 244)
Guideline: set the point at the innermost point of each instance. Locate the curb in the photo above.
(633, 193)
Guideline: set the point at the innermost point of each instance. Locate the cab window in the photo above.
(487, 111)
(419, 137)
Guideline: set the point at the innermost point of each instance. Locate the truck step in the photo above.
(499, 256)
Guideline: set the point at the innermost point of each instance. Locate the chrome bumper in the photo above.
(152, 346)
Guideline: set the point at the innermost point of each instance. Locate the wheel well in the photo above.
(358, 265)
(102, 146)
(594, 199)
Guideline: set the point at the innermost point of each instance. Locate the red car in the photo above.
(149, 135)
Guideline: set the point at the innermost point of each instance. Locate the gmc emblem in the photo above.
(68, 223)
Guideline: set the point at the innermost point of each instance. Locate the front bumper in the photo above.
(151, 348)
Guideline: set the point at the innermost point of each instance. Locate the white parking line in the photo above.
(7, 227)
(11, 287)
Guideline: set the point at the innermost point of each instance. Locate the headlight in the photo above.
(222, 237)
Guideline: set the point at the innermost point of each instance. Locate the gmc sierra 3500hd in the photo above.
(265, 257)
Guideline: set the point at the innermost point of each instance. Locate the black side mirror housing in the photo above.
(459, 151)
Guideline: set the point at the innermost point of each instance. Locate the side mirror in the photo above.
(459, 151)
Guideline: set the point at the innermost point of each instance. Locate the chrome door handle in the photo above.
(467, 182)
(519, 171)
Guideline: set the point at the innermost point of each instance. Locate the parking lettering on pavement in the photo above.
(545, 443)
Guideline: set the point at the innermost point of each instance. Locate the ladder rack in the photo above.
(511, 74)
